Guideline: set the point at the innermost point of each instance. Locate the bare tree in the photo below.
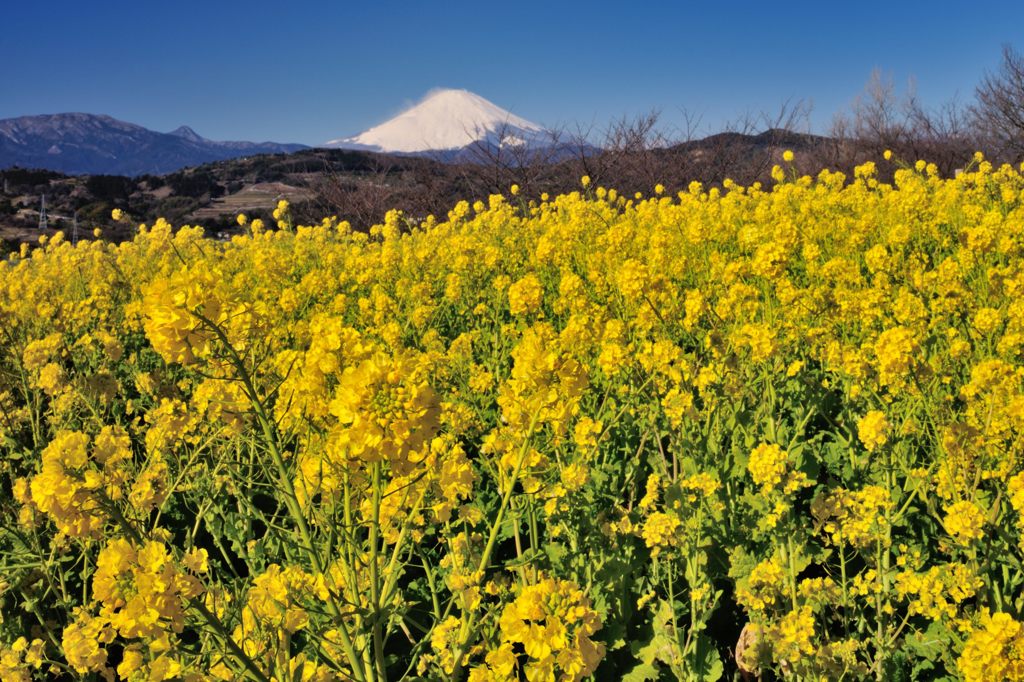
(880, 119)
(361, 198)
(504, 157)
(631, 154)
(942, 135)
(876, 120)
(581, 152)
(999, 110)
(750, 144)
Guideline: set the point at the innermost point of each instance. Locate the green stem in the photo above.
(291, 500)
(218, 627)
(485, 558)
(378, 638)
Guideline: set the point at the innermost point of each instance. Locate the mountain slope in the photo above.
(79, 143)
(447, 120)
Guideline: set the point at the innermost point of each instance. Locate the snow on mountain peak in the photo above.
(446, 119)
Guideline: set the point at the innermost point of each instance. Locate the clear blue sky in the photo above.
(310, 71)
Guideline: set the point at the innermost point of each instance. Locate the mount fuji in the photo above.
(449, 122)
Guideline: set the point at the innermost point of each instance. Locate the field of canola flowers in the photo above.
(769, 431)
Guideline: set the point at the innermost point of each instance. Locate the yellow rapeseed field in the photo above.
(770, 430)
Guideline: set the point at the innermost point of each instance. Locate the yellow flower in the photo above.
(553, 623)
(659, 531)
(131, 661)
(987, 320)
(938, 592)
(141, 589)
(524, 296)
(586, 432)
(764, 586)
(575, 476)
(1015, 486)
(409, 380)
(196, 560)
(444, 641)
(82, 641)
(964, 521)
(677, 404)
(767, 465)
(117, 215)
(857, 518)
(896, 350)
(545, 386)
(788, 156)
(74, 484)
(632, 278)
(275, 599)
(791, 637)
(994, 650)
(872, 429)
(386, 411)
(652, 491)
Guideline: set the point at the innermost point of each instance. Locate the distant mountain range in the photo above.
(447, 125)
(94, 144)
(450, 126)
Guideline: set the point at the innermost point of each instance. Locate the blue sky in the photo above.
(307, 72)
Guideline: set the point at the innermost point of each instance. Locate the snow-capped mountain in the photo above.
(447, 121)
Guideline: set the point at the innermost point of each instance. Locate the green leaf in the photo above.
(925, 649)
(708, 665)
(642, 672)
(529, 558)
(556, 553)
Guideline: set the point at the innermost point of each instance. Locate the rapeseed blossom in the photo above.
(506, 440)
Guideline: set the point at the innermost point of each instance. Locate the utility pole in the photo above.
(42, 214)
(74, 230)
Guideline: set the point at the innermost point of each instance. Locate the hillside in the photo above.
(361, 186)
(77, 143)
(211, 194)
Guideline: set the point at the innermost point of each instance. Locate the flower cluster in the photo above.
(552, 622)
(80, 479)
(782, 420)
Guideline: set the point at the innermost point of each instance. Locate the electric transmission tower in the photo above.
(42, 214)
